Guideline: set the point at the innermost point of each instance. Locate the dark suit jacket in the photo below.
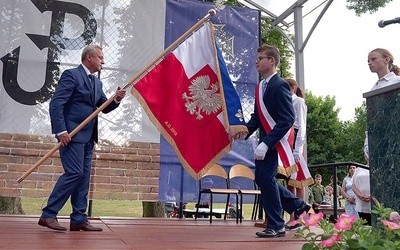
(278, 101)
(72, 103)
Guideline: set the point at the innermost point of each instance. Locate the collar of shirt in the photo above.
(86, 70)
(269, 77)
(387, 77)
(386, 80)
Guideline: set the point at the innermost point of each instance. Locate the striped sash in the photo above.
(302, 178)
(283, 146)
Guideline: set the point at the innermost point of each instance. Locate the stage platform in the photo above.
(23, 232)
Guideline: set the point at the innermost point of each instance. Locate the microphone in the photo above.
(383, 23)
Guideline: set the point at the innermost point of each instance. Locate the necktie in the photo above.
(91, 77)
(264, 86)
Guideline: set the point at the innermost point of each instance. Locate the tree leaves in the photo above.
(364, 6)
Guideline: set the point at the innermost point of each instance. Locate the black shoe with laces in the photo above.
(294, 227)
(271, 233)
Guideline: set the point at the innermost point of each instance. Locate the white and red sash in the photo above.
(283, 146)
(302, 178)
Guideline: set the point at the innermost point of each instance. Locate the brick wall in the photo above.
(122, 173)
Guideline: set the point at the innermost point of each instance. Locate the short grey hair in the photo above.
(90, 49)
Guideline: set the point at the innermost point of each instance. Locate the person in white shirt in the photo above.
(348, 193)
(299, 181)
(361, 188)
(380, 61)
(300, 109)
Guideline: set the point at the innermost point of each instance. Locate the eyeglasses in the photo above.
(262, 57)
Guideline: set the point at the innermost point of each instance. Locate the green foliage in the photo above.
(364, 6)
(351, 140)
(330, 140)
(229, 2)
(271, 36)
(323, 128)
(113, 208)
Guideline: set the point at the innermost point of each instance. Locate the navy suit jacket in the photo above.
(278, 101)
(73, 101)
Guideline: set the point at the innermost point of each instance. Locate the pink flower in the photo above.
(303, 215)
(391, 225)
(300, 219)
(345, 222)
(332, 240)
(314, 219)
(394, 217)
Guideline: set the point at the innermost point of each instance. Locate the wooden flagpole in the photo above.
(104, 105)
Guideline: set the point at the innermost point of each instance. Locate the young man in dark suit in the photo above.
(274, 116)
(77, 96)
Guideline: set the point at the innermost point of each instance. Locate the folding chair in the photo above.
(242, 171)
(217, 171)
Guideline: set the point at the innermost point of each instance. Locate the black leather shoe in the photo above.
(84, 227)
(294, 227)
(51, 223)
(304, 207)
(271, 233)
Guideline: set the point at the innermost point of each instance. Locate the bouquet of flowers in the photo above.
(351, 233)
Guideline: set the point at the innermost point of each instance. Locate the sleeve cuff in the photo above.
(62, 132)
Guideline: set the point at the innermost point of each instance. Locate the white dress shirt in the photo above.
(361, 182)
(387, 80)
(300, 110)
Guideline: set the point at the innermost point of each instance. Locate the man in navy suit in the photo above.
(273, 116)
(77, 96)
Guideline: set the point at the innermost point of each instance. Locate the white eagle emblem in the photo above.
(239, 115)
(202, 99)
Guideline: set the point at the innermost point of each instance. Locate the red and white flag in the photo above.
(184, 97)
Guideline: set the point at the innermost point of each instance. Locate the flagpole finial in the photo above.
(212, 12)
